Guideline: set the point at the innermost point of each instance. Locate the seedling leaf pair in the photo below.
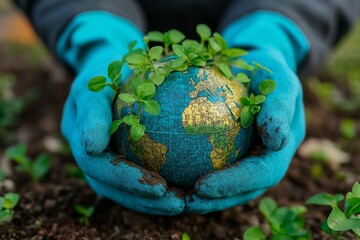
(35, 168)
(7, 204)
(284, 223)
(338, 220)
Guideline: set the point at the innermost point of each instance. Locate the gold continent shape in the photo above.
(151, 154)
(216, 119)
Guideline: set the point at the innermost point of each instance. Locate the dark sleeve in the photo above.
(50, 17)
(323, 22)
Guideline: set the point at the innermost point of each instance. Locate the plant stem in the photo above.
(140, 110)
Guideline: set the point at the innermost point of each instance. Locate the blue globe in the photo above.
(197, 131)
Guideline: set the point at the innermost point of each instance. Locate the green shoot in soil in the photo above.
(85, 213)
(185, 236)
(211, 50)
(284, 222)
(339, 220)
(35, 168)
(7, 204)
(348, 128)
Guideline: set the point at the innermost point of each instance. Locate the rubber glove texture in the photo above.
(88, 44)
(276, 43)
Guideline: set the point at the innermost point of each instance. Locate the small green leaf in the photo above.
(254, 233)
(1, 202)
(152, 107)
(114, 70)
(87, 212)
(127, 97)
(155, 52)
(246, 117)
(325, 199)
(338, 222)
(41, 166)
(199, 62)
(192, 56)
(175, 36)
(136, 59)
(325, 227)
(245, 101)
(225, 69)
(259, 66)
(115, 125)
(356, 189)
(242, 77)
(259, 99)
(17, 152)
(137, 131)
(254, 109)
(214, 45)
(145, 90)
(234, 52)
(130, 119)
(220, 40)
(185, 236)
(353, 206)
(182, 67)
(178, 62)
(267, 206)
(267, 86)
(96, 84)
(179, 50)
(11, 200)
(157, 77)
(131, 45)
(155, 36)
(5, 216)
(192, 46)
(204, 31)
(241, 64)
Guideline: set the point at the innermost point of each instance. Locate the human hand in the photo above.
(87, 118)
(280, 124)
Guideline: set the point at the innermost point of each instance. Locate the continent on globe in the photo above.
(197, 131)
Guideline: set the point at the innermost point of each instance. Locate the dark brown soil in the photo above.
(46, 211)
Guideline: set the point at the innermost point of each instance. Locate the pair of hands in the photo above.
(99, 37)
(280, 124)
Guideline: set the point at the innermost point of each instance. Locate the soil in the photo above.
(46, 210)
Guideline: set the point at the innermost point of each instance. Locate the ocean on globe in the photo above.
(197, 131)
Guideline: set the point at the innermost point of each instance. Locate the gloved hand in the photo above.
(88, 44)
(275, 42)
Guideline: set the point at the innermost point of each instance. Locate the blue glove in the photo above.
(88, 44)
(275, 42)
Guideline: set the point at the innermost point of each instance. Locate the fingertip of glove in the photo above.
(95, 139)
(274, 133)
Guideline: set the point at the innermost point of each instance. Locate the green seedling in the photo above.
(85, 212)
(7, 204)
(185, 236)
(179, 54)
(339, 221)
(284, 222)
(36, 169)
(348, 128)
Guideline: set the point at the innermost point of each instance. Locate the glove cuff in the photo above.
(271, 32)
(96, 38)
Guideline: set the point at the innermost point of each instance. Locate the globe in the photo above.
(197, 131)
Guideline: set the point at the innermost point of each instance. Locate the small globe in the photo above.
(197, 131)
